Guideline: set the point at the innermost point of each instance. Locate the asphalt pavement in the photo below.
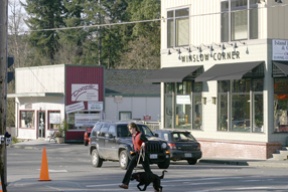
(26, 185)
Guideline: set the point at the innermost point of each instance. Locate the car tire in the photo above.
(95, 159)
(192, 161)
(124, 159)
(164, 165)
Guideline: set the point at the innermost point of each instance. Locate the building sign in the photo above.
(95, 106)
(183, 99)
(82, 120)
(280, 50)
(75, 107)
(85, 92)
(210, 57)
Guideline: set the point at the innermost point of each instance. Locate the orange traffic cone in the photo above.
(44, 172)
(1, 187)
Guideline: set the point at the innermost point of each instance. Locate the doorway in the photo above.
(41, 124)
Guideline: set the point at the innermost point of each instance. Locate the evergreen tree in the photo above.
(74, 47)
(110, 39)
(143, 50)
(44, 14)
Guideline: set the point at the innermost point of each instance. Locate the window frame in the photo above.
(226, 122)
(32, 121)
(228, 13)
(174, 30)
(49, 121)
(171, 92)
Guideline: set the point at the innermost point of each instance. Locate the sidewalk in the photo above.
(32, 144)
(252, 163)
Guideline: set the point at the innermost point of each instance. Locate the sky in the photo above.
(14, 6)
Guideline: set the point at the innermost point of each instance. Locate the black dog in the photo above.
(146, 178)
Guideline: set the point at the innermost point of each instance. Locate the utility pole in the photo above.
(99, 34)
(3, 89)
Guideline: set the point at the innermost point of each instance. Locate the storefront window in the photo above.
(280, 105)
(241, 109)
(54, 119)
(180, 103)
(169, 102)
(258, 118)
(183, 105)
(223, 113)
(71, 121)
(197, 112)
(26, 119)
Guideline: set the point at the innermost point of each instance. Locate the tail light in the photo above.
(199, 147)
(172, 145)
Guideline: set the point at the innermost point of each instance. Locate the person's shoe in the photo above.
(123, 186)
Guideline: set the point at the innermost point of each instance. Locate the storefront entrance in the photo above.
(41, 124)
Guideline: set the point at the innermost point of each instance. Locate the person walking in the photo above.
(138, 140)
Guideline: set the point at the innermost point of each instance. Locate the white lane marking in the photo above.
(56, 171)
(207, 183)
(250, 180)
(248, 188)
(101, 185)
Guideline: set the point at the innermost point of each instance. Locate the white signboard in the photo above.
(85, 92)
(95, 106)
(75, 107)
(86, 119)
(280, 50)
(183, 99)
(54, 118)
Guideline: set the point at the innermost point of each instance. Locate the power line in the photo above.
(92, 26)
(143, 21)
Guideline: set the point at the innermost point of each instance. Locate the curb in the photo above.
(251, 163)
(225, 162)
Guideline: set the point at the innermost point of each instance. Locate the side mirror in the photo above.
(156, 134)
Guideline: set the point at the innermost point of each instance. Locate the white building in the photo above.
(224, 67)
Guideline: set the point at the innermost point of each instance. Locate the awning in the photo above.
(174, 74)
(232, 71)
(280, 69)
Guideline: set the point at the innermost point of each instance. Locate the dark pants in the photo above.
(133, 164)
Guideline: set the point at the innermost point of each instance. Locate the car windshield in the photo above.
(182, 136)
(144, 129)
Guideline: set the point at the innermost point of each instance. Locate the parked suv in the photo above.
(113, 142)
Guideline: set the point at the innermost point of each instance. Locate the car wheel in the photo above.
(192, 161)
(164, 165)
(124, 159)
(95, 158)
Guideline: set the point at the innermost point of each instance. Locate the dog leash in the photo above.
(141, 154)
